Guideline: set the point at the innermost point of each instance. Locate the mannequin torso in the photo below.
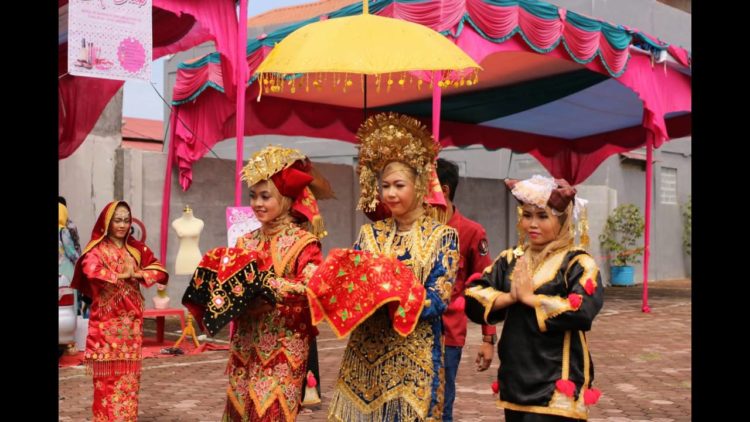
(188, 229)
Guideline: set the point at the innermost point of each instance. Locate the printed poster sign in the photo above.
(110, 39)
(240, 220)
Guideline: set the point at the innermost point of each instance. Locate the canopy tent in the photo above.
(177, 25)
(568, 89)
(542, 66)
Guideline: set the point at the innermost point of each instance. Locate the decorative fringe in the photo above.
(583, 229)
(437, 213)
(111, 367)
(426, 251)
(386, 392)
(317, 227)
(344, 410)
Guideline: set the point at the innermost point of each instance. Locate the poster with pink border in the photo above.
(110, 39)
(240, 220)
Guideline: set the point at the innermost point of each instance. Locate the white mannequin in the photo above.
(188, 229)
(161, 300)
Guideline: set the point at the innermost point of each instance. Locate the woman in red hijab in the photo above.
(109, 273)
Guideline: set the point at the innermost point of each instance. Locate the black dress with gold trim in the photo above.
(384, 376)
(545, 364)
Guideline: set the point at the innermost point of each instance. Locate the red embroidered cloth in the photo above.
(351, 285)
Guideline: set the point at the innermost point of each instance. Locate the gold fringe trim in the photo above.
(377, 372)
(108, 368)
(437, 213)
(317, 227)
(566, 356)
(586, 362)
(344, 407)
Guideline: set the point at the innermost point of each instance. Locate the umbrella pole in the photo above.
(436, 105)
(647, 235)
(365, 99)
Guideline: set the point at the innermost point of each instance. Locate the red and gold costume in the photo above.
(113, 345)
(268, 353)
(384, 375)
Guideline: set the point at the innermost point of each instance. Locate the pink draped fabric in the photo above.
(544, 34)
(82, 100)
(583, 44)
(212, 119)
(662, 91)
(219, 20)
(495, 22)
(77, 117)
(443, 16)
(679, 54)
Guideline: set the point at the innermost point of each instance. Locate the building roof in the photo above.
(145, 134)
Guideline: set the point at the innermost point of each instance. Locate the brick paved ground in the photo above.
(642, 366)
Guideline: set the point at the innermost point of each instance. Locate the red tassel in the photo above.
(589, 287)
(495, 386)
(566, 387)
(311, 381)
(575, 300)
(591, 396)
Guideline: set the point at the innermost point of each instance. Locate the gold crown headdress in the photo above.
(389, 137)
(269, 161)
(294, 176)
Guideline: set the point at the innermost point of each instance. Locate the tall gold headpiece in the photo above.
(389, 137)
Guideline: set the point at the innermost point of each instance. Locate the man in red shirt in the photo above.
(474, 251)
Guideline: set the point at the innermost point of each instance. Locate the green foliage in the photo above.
(687, 225)
(621, 233)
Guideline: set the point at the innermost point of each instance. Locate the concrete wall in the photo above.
(628, 178)
(139, 175)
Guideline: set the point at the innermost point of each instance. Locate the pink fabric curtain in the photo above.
(82, 100)
(219, 20)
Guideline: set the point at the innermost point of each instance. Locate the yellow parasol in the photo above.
(361, 45)
(331, 50)
(364, 44)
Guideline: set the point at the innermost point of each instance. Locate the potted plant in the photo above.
(622, 231)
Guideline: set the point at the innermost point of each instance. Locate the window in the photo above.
(668, 187)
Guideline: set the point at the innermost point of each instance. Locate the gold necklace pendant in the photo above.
(518, 251)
